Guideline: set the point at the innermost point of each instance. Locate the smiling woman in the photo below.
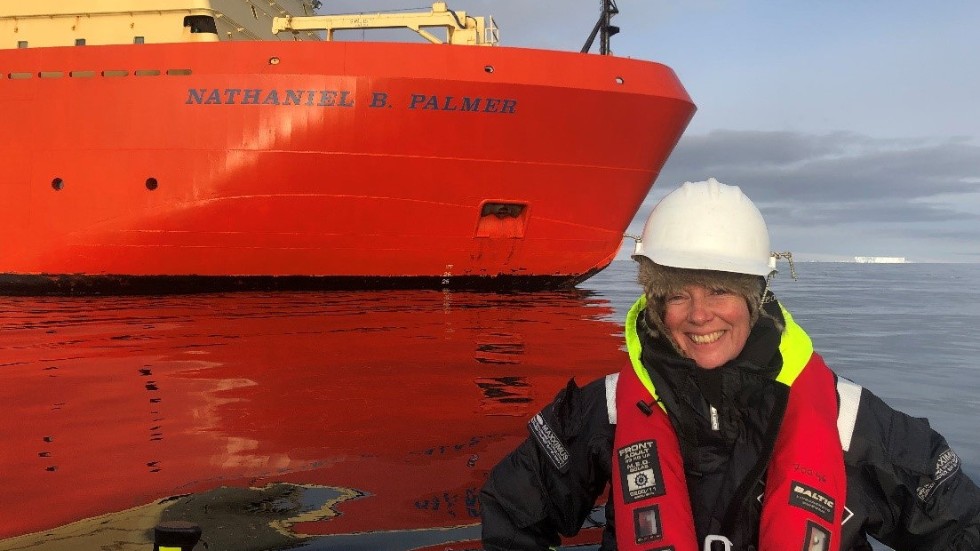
(704, 275)
(726, 427)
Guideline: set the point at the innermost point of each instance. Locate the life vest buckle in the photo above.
(710, 541)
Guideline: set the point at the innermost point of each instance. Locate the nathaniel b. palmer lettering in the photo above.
(345, 98)
(258, 96)
(464, 103)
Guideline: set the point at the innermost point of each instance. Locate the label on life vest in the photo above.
(647, 524)
(813, 500)
(639, 471)
(817, 537)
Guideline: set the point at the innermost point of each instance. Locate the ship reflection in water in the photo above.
(324, 420)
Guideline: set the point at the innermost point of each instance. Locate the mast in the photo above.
(609, 9)
(603, 27)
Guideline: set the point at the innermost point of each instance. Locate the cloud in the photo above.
(828, 168)
(840, 192)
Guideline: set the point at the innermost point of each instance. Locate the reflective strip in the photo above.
(850, 399)
(611, 382)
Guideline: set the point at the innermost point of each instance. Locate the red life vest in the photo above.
(805, 486)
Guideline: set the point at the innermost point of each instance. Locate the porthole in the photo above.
(58, 184)
(620, 80)
(151, 184)
(488, 68)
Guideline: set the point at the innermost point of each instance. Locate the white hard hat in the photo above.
(707, 226)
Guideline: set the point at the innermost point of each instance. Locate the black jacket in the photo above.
(904, 484)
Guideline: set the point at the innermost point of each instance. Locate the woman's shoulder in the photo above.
(591, 395)
(884, 435)
(577, 408)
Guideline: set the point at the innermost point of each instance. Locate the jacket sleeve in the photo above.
(547, 486)
(910, 482)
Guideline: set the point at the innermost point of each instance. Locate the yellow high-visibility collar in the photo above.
(795, 347)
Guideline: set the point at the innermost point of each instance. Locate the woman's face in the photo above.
(709, 325)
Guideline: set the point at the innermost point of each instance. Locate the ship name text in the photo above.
(258, 96)
(347, 99)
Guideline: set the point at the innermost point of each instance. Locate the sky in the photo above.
(853, 125)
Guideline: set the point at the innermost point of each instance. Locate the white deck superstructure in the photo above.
(49, 23)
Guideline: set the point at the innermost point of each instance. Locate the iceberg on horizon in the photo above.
(880, 260)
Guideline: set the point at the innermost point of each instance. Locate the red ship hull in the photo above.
(357, 161)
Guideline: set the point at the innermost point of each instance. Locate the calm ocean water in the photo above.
(369, 420)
